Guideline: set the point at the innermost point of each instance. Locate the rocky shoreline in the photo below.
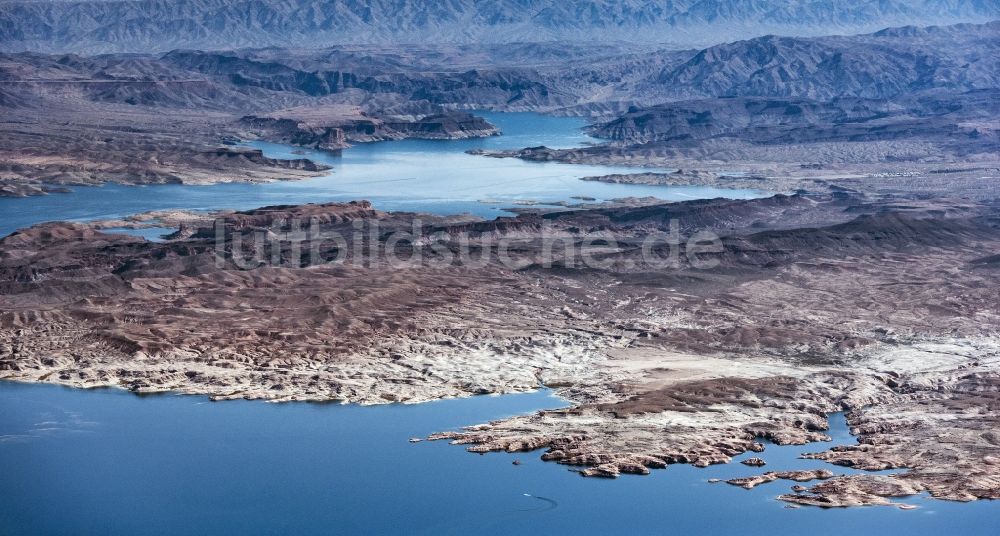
(191, 150)
(336, 127)
(84, 149)
(815, 303)
(763, 170)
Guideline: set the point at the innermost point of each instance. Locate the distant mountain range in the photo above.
(579, 79)
(92, 26)
(881, 65)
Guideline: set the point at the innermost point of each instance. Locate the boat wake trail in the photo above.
(552, 505)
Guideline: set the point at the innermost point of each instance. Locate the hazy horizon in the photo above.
(101, 26)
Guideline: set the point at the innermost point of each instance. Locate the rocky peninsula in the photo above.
(743, 320)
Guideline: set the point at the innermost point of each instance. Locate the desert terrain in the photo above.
(678, 333)
(898, 101)
(804, 305)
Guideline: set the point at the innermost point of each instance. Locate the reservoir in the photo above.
(111, 462)
(434, 176)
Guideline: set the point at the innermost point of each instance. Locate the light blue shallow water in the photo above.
(110, 462)
(412, 175)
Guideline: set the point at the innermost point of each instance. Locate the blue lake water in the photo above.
(110, 462)
(434, 176)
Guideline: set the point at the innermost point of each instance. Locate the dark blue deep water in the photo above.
(110, 462)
